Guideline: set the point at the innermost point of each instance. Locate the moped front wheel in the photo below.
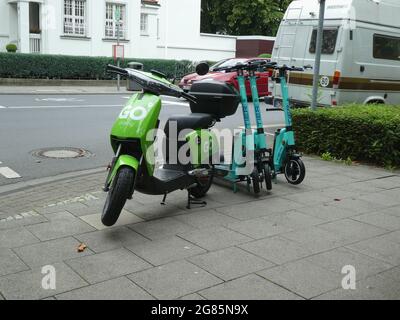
(295, 171)
(119, 192)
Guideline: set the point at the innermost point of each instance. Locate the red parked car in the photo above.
(229, 77)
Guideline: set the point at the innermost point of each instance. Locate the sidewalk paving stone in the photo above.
(250, 287)
(377, 287)
(303, 278)
(356, 205)
(20, 219)
(124, 219)
(18, 237)
(381, 220)
(215, 238)
(115, 289)
(45, 253)
(192, 297)
(328, 212)
(27, 285)
(258, 228)
(174, 280)
(316, 239)
(294, 220)
(336, 259)
(154, 211)
(107, 265)
(109, 239)
(10, 262)
(60, 225)
(70, 207)
(161, 228)
(259, 208)
(309, 198)
(383, 248)
(206, 219)
(351, 230)
(163, 251)
(383, 199)
(277, 249)
(230, 263)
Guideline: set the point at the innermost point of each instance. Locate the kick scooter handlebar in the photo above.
(153, 82)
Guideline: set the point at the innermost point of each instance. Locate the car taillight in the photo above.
(336, 79)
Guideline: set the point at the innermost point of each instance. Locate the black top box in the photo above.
(213, 97)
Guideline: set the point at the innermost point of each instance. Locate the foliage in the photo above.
(43, 66)
(354, 132)
(237, 17)
(11, 47)
(265, 55)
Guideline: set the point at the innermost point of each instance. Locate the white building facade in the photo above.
(163, 29)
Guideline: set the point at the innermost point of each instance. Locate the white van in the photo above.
(360, 56)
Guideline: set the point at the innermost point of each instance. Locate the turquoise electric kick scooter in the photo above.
(285, 158)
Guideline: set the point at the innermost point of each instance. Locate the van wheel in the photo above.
(117, 196)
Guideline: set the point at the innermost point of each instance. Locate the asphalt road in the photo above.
(32, 122)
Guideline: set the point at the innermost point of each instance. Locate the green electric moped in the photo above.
(133, 140)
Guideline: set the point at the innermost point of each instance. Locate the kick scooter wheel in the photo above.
(295, 171)
(255, 177)
(268, 177)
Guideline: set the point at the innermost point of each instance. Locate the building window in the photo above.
(386, 47)
(144, 24)
(75, 17)
(329, 38)
(112, 25)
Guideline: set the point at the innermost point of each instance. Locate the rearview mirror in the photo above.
(202, 68)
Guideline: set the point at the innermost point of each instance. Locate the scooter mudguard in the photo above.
(283, 140)
(123, 161)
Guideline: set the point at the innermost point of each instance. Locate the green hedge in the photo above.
(40, 66)
(361, 133)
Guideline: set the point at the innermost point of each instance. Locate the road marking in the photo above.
(176, 103)
(9, 173)
(60, 107)
(1, 107)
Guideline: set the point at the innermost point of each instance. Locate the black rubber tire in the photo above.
(268, 176)
(117, 196)
(201, 189)
(255, 178)
(297, 176)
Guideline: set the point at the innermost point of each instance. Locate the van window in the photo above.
(329, 37)
(386, 47)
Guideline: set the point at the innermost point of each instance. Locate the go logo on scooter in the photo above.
(134, 113)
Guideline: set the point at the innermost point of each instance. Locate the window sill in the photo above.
(115, 40)
(72, 37)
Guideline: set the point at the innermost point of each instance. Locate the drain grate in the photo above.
(61, 153)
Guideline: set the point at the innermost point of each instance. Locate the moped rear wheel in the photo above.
(295, 171)
(119, 192)
(202, 187)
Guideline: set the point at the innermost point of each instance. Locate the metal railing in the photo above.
(34, 42)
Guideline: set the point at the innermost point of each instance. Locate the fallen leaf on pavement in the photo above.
(82, 247)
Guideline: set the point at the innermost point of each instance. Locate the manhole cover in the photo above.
(61, 153)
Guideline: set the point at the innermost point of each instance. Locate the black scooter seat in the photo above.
(189, 121)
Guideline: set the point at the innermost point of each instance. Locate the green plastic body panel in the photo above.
(137, 120)
(124, 161)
